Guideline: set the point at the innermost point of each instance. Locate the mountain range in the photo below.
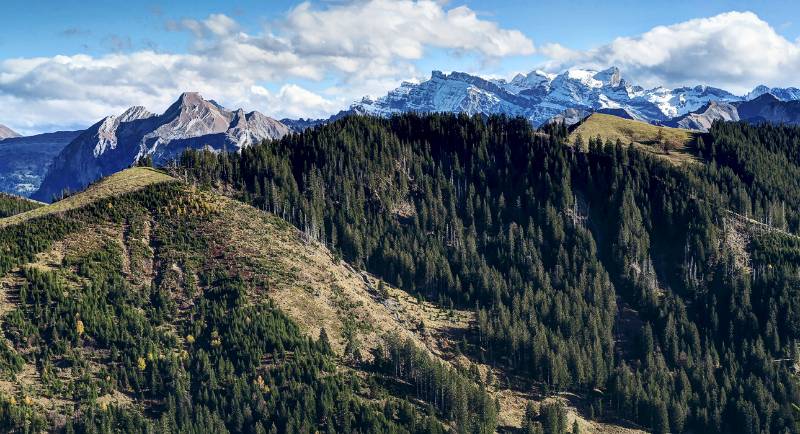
(540, 97)
(116, 142)
(45, 166)
(763, 108)
(411, 274)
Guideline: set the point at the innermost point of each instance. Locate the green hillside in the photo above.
(669, 143)
(143, 304)
(433, 273)
(11, 205)
(638, 289)
(117, 184)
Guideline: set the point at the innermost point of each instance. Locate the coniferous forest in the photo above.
(206, 376)
(659, 294)
(11, 205)
(399, 217)
(664, 294)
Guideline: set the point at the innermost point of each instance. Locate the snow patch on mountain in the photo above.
(781, 93)
(538, 96)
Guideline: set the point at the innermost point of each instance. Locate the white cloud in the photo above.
(388, 29)
(295, 101)
(734, 50)
(346, 50)
(350, 49)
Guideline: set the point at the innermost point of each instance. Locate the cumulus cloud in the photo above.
(389, 29)
(733, 50)
(354, 48)
(296, 101)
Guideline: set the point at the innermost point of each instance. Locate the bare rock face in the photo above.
(569, 117)
(702, 119)
(7, 133)
(116, 142)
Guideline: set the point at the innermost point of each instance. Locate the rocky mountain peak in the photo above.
(7, 133)
(118, 141)
(135, 113)
(192, 116)
(765, 98)
(609, 77)
(192, 99)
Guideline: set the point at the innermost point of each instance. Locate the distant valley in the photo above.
(24, 161)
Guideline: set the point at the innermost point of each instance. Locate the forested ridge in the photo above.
(91, 345)
(662, 294)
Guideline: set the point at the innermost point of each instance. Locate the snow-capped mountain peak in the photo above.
(609, 77)
(781, 93)
(585, 77)
(531, 80)
(539, 96)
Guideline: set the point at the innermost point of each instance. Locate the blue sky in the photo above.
(66, 63)
(91, 26)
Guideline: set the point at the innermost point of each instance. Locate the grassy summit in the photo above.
(119, 183)
(651, 138)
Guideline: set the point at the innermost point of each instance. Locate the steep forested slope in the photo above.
(660, 294)
(146, 305)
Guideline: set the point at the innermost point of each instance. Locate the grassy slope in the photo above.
(303, 279)
(641, 134)
(120, 183)
(11, 205)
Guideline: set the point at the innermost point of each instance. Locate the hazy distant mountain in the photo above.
(6, 132)
(765, 107)
(116, 142)
(303, 123)
(781, 93)
(768, 108)
(24, 160)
